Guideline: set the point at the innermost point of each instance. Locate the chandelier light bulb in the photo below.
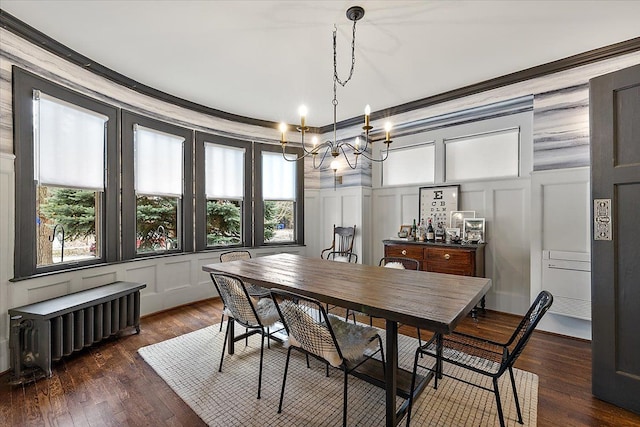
(314, 140)
(367, 113)
(357, 143)
(387, 128)
(334, 165)
(283, 131)
(303, 114)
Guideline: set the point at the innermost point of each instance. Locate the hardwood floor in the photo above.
(109, 384)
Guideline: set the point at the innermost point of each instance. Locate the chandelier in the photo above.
(361, 142)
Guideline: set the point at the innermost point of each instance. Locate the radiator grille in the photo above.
(47, 331)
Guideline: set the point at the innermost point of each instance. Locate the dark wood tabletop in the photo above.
(432, 301)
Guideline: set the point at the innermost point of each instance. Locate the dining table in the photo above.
(431, 301)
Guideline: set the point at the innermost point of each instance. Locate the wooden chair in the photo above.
(481, 355)
(342, 242)
(240, 308)
(315, 333)
(342, 256)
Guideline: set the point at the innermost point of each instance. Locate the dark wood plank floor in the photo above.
(109, 384)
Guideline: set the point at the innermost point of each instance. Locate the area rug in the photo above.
(189, 365)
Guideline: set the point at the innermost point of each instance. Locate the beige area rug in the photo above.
(189, 364)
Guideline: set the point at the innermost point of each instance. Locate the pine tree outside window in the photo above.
(158, 187)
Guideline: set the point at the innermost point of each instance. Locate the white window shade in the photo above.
(158, 162)
(224, 172)
(69, 144)
(410, 165)
(278, 177)
(490, 155)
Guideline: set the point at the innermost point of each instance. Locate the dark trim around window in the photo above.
(128, 179)
(25, 259)
(259, 203)
(201, 198)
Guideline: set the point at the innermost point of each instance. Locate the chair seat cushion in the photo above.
(394, 264)
(353, 340)
(266, 309)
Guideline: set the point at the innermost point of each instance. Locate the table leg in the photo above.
(391, 368)
(232, 334)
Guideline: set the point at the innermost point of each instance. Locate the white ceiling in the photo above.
(262, 59)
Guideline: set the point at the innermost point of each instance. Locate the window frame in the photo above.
(200, 190)
(258, 221)
(25, 260)
(128, 120)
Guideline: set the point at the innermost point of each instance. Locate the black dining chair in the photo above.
(325, 337)
(253, 290)
(240, 308)
(481, 355)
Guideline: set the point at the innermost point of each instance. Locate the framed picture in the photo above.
(457, 218)
(437, 202)
(452, 232)
(473, 230)
(405, 229)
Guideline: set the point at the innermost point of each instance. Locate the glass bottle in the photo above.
(440, 233)
(431, 237)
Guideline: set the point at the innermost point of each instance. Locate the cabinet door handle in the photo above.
(447, 256)
(404, 252)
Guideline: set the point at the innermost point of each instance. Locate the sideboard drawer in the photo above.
(403, 251)
(450, 261)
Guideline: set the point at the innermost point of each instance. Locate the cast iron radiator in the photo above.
(44, 332)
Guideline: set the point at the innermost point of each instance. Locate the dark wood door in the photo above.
(615, 244)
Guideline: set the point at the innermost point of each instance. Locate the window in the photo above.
(86, 194)
(480, 156)
(279, 198)
(66, 192)
(223, 201)
(157, 187)
(413, 164)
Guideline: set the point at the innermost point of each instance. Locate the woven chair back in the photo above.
(236, 299)
(527, 325)
(234, 255)
(305, 319)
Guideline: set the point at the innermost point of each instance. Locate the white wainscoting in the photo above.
(560, 222)
(504, 205)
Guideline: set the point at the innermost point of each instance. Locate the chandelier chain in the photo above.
(337, 79)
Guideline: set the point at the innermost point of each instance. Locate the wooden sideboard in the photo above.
(449, 258)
